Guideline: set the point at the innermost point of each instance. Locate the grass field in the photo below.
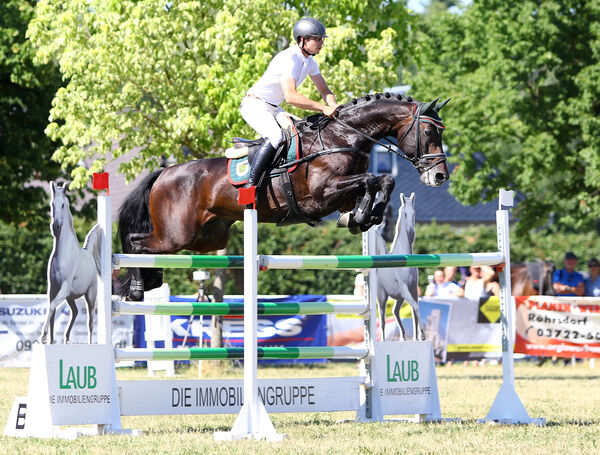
(567, 396)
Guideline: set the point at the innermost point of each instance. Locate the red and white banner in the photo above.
(558, 326)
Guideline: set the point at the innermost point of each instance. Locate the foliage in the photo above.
(524, 81)
(166, 78)
(25, 254)
(26, 91)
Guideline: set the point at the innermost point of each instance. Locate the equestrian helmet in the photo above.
(308, 26)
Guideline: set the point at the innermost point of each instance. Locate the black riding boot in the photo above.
(263, 157)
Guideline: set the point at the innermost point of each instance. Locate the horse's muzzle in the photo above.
(435, 176)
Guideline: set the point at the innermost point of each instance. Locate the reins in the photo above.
(421, 161)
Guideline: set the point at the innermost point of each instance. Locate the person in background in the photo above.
(567, 281)
(475, 285)
(490, 278)
(450, 275)
(592, 282)
(441, 288)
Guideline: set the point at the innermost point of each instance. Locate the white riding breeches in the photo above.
(260, 115)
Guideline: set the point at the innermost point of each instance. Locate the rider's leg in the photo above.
(262, 158)
(261, 116)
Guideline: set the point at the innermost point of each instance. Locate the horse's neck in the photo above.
(67, 238)
(401, 243)
(376, 120)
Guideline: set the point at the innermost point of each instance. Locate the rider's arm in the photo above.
(288, 85)
(324, 90)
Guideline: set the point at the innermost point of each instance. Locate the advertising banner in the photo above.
(22, 317)
(474, 331)
(558, 326)
(406, 378)
(226, 396)
(273, 331)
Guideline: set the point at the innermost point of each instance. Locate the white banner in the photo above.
(226, 396)
(406, 378)
(22, 317)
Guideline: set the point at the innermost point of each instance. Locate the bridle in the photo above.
(422, 161)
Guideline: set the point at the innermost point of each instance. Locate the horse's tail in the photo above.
(134, 218)
(93, 244)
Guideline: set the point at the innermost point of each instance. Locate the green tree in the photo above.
(26, 91)
(169, 77)
(524, 78)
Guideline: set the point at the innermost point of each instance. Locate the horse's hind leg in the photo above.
(396, 310)
(91, 300)
(74, 312)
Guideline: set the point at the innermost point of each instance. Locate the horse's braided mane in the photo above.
(374, 96)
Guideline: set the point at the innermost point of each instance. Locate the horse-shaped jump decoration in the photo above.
(193, 205)
(401, 284)
(72, 271)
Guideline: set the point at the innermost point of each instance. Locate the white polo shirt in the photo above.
(290, 62)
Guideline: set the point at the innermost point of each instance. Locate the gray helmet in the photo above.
(308, 27)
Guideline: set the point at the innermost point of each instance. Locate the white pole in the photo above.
(507, 407)
(252, 422)
(104, 298)
(250, 318)
(370, 409)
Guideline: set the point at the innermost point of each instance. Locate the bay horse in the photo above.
(72, 271)
(192, 205)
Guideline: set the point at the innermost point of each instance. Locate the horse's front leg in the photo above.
(340, 191)
(386, 184)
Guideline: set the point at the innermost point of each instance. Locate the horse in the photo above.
(532, 278)
(72, 270)
(192, 205)
(402, 284)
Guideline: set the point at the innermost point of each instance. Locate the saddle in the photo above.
(241, 154)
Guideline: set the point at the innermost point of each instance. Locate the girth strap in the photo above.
(293, 215)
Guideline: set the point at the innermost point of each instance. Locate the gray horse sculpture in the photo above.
(401, 284)
(72, 270)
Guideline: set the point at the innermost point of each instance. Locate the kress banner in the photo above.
(558, 326)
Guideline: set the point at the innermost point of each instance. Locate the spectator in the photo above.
(592, 282)
(441, 288)
(490, 278)
(474, 286)
(450, 275)
(567, 281)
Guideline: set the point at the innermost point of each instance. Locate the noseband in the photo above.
(422, 160)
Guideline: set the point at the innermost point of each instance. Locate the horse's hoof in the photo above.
(360, 217)
(355, 229)
(344, 220)
(136, 296)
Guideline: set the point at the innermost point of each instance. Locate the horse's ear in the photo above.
(438, 107)
(412, 195)
(402, 198)
(429, 107)
(52, 188)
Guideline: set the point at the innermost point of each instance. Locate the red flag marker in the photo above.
(100, 181)
(247, 196)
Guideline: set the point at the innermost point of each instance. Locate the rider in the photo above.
(284, 74)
